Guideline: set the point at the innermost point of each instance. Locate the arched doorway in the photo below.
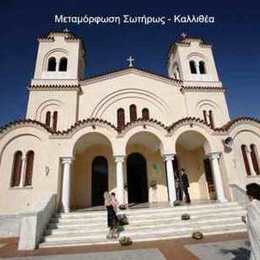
(190, 147)
(90, 170)
(137, 178)
(99, 181)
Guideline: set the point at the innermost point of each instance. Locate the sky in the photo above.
(235, 36)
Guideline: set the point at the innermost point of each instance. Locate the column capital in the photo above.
(168, 157)
(119, 158)
(214, 155)
(66, 160)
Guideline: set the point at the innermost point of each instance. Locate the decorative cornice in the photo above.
(67, 35)
(85, 122)
(139, 121)
(202, 88)
(54, 87)
(187, 41)
(121, 72)
(25, 122)
(187, 120)
(142, 121)
(237, 121)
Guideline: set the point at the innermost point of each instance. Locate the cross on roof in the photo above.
(184, 35)
(130, 60)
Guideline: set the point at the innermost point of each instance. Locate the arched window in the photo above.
(29, 168)
(254, 158)
(246, 163)
(17, 169)
(193, 69)
(48, 119)
(120, 118)
(55, 120)
(205, 116)
(63, 64)
(51, 64)
(145, 114)
(211, 120)
(202, 67)
(133, 115)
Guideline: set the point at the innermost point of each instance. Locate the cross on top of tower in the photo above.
(130, 60)
(184, 35)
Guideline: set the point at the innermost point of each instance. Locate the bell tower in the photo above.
(55, 87)
(60, 57)
(191, 59)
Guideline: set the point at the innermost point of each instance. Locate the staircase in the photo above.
(88, 228)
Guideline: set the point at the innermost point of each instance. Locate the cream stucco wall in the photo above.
(196, 50)
(196, 102)
(243, 134)
(64, 102)
(192, 162)
(45, 169)
(76, 99)
(103, 98)
(58, 46)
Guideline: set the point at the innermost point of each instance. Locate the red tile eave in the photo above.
(226, 127)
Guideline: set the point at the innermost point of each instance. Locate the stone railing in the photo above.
(10, 224)
(239, 195)
(34, 224)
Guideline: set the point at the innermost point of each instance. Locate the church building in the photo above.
(128, 131)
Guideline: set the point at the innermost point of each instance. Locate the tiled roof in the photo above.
(187, 119)
(85, 122)
(88, 121)
(139, 120)
(24, 122)
(115, 72)
(228, 125)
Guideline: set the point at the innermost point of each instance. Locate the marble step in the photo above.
(97, 219)
(129, 212)
(148, 221)
(171, 224)
(88, 228)
(148, 231)
(77, 241)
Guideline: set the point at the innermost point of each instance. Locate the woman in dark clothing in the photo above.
(111, 216)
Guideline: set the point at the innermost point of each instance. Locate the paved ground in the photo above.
(225, 250)
(151, 254)
(2, 245)
(174, 249)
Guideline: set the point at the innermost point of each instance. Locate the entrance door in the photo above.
(99, 180)
(137, 178)
(210, 180)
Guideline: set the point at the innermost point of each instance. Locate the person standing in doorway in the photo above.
(178, 187)
(111, 216)
(185, 185)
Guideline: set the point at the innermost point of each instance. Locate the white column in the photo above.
(23, 170)
(65, 199)
(213, 157)
(119, 179)
(170, 177)
(250, 163)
